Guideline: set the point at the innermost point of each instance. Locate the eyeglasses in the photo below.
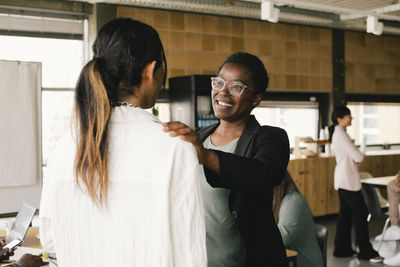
(235, 88)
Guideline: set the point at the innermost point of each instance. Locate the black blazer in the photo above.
(258, 164)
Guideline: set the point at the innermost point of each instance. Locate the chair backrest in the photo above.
(322, 237)
(382, 201)
(372, 202)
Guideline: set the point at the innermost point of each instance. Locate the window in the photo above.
(62, 61)
(297, 118)
(375, 123)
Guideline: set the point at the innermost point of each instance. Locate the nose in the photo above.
(224, 90)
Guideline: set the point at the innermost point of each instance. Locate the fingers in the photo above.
(182, 131)
(176, 128)
(2, 243)
(173, 125)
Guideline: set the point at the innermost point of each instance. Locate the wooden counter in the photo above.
(314, 178)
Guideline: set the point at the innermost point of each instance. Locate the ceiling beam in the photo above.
(340, 10)
(377, 11)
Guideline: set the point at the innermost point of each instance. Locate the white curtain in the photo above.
(20, 123)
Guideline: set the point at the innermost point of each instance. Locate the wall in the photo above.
(372, 63)
(298, 58)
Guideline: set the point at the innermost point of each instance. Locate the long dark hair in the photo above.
(122, 49)
(280, 192)
(338, 112)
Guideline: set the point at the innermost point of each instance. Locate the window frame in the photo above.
(374, 98)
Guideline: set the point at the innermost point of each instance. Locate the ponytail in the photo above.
(93, 109)
(331, 130)
(121, 51)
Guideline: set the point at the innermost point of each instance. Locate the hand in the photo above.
(6, 254)
(178, 129)
(32, 260)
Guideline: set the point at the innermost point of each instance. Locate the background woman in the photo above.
(27, 260)
(353, 209)
(242, 162)
(295, 222)
(129, 195)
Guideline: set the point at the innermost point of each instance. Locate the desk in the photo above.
(30, 240)
(292, 257)
(379, 182)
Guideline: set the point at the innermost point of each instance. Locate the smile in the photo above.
(223, 103)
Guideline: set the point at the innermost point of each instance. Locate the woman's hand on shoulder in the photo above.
(181, 130)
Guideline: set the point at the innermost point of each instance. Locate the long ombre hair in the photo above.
(122, 49)
(280, 192)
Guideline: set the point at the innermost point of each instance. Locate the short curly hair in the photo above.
(254, 65)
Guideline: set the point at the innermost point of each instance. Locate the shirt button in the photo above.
(234, 214)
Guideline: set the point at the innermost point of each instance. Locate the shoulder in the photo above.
(294, 200)
(272, 133)
(339, 133)
(266, 129)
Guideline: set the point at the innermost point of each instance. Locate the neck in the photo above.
(134, 100)
(232, 129)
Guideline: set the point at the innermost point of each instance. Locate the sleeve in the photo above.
(266, 167)
(344, 143)
(16, 264)
(291, 217)
(45, 227)
(187, 214)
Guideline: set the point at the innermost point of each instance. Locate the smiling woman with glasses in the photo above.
(242, 163)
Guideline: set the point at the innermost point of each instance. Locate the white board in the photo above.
(20, 134)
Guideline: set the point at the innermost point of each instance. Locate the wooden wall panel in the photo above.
(372, 63)
(298, 58)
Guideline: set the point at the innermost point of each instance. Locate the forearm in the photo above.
(210, 160)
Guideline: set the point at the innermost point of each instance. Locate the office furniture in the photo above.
(322, 238)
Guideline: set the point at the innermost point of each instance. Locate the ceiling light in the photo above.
(374, 26)
(269, 12)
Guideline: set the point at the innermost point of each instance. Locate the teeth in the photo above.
(222, 103)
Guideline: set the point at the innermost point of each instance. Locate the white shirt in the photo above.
(154, 216)
(347, 159)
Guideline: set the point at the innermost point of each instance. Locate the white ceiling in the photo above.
(346, 14)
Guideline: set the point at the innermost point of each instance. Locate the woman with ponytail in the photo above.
(120, 191)
(353, 210)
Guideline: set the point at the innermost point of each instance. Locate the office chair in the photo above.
(322, 238)
(374, 208)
